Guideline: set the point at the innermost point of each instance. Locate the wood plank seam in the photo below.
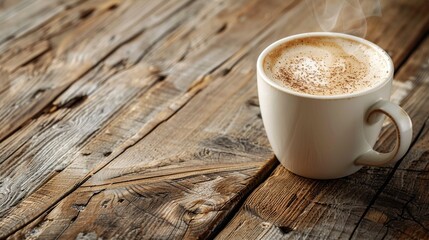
(416, 44)
(236, 208)
(193, 88)
(154, 177)
(46, 49)
(77, 100)
(197, 87)
(72, 102)
(10, 132)
(78, 212)
(48, 105)
(51, 108)
(88, 138)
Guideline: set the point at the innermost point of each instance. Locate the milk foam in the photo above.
(326, 66)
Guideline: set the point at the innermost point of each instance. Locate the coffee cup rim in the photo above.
(261, 72)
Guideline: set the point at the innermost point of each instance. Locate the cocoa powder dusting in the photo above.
(324, 66)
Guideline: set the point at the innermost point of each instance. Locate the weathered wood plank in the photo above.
(71, 54)
(77, 114)
(182, 82)
(6, 4)
(414, 27)
(179, 185)
(287, 206)
(21, 17)
(157, 180)
(402, 208)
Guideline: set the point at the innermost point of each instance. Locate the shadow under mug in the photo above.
(330, 136)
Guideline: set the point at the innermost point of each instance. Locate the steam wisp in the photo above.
(346, 16)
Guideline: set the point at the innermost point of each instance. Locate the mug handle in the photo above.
(404, 132)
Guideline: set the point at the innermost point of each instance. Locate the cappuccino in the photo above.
(326, 65)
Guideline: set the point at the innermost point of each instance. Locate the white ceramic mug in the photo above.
(325, 137)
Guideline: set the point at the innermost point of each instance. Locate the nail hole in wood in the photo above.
(120, 64)
(106, 154)
(253, 101)
(182, 57)
(265, 225)
(222, 28)
(86, 13)
(38, 92)
(79, 207)
(10, 37)
(161, 77)
(120, 200)
(225, 71)
(73, 102)
(113, 6)
(33, 232)
(285, 229)
(104, 203)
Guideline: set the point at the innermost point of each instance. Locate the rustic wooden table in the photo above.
(140, 119)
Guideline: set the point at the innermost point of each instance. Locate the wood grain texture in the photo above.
(71, 54)
(37, 150)
(187, 181)
(287, 206)
(21, 17)
(78, 160)
(406, 20)
(139, 119)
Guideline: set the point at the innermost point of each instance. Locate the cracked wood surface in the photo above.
(139, 119)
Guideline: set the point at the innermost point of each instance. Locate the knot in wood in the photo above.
(198, 209)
